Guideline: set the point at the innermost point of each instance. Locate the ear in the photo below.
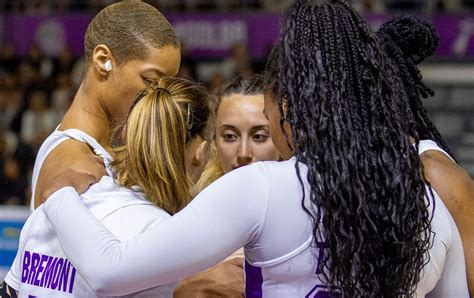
(100, 57)
(202, 154)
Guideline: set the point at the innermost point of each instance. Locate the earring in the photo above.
(108, 65)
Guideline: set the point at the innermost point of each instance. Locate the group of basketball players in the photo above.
(357, 196)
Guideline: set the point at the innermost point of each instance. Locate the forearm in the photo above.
(215, 224)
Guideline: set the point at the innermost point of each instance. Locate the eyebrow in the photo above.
(155, 70)
(259, 127)
(253, 128)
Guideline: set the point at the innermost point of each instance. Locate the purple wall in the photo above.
(212, 35)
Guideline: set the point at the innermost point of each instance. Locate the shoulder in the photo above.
(132, 215)
(453, 185)
(445, 175)
(74, 155)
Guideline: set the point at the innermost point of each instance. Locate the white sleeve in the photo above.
(224, 217)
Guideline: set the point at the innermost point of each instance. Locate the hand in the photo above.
(223, 280)
(79, 180)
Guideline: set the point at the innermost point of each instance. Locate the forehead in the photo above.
(162, 61)
(237, 109)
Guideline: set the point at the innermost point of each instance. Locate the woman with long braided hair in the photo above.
(408, 40)
(347, 214)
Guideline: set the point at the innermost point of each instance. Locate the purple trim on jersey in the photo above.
(434, 205)
(429, 193)
(253, 281)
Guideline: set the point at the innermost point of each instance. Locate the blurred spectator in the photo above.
(187, 68)
(11, 187)
(8, 61)
(62, 96)
(38, 121)
(411, 5)
(374, 6)
(11, 100)
(61, 6)
(239, 59)
(276, 5)
(63, 63)
(77, 73)
(216, 82)
(37, 63)
(38, 7)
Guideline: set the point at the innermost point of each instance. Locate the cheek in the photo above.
(226, 152)
(266, 151)
(124, 97)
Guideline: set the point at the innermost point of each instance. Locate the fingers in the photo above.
(98, 170)
(239, 262)
(80, 181)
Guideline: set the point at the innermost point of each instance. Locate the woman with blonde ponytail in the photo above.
(164, 137)
(160, 151)
(347, 214)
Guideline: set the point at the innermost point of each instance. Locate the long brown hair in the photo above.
(165, 117)
(238, 85)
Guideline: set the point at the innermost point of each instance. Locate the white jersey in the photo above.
(258, 207)
(53, 141)
(41, 268)
(452, 244)
(426, 145)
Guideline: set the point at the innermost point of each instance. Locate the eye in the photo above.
(149, 81)
(229, 137)
(260, 137)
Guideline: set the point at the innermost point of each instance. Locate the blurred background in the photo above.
(41, 67)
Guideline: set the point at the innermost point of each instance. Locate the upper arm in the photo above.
(450, 181)
(70, 154)
(222, 218)
(456, 189)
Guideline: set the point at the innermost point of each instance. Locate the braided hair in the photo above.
(408, 40)
(351, 125)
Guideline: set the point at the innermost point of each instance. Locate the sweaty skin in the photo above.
(456, 189)
(103, 99)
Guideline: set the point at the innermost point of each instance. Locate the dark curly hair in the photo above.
(351, 125)
(408, 40)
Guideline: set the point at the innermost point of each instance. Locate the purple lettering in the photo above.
(56, 274)
(35, 258)
(26, 264)
(48, 272)
(73, 278)
(64, 276)
(44, 276)
(51, 273)
(44, 258)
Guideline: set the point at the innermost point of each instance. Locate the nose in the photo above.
(244, 154)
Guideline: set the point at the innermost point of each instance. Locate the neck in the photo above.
(88, 115)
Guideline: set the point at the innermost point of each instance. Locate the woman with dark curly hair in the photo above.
(408, 40)
(347, 214)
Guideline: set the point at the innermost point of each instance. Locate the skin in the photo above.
(456, 188)
(197, 155)
(449, 180)
(242, 137)
(242, 133)
(272, 113)
(103, 99)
